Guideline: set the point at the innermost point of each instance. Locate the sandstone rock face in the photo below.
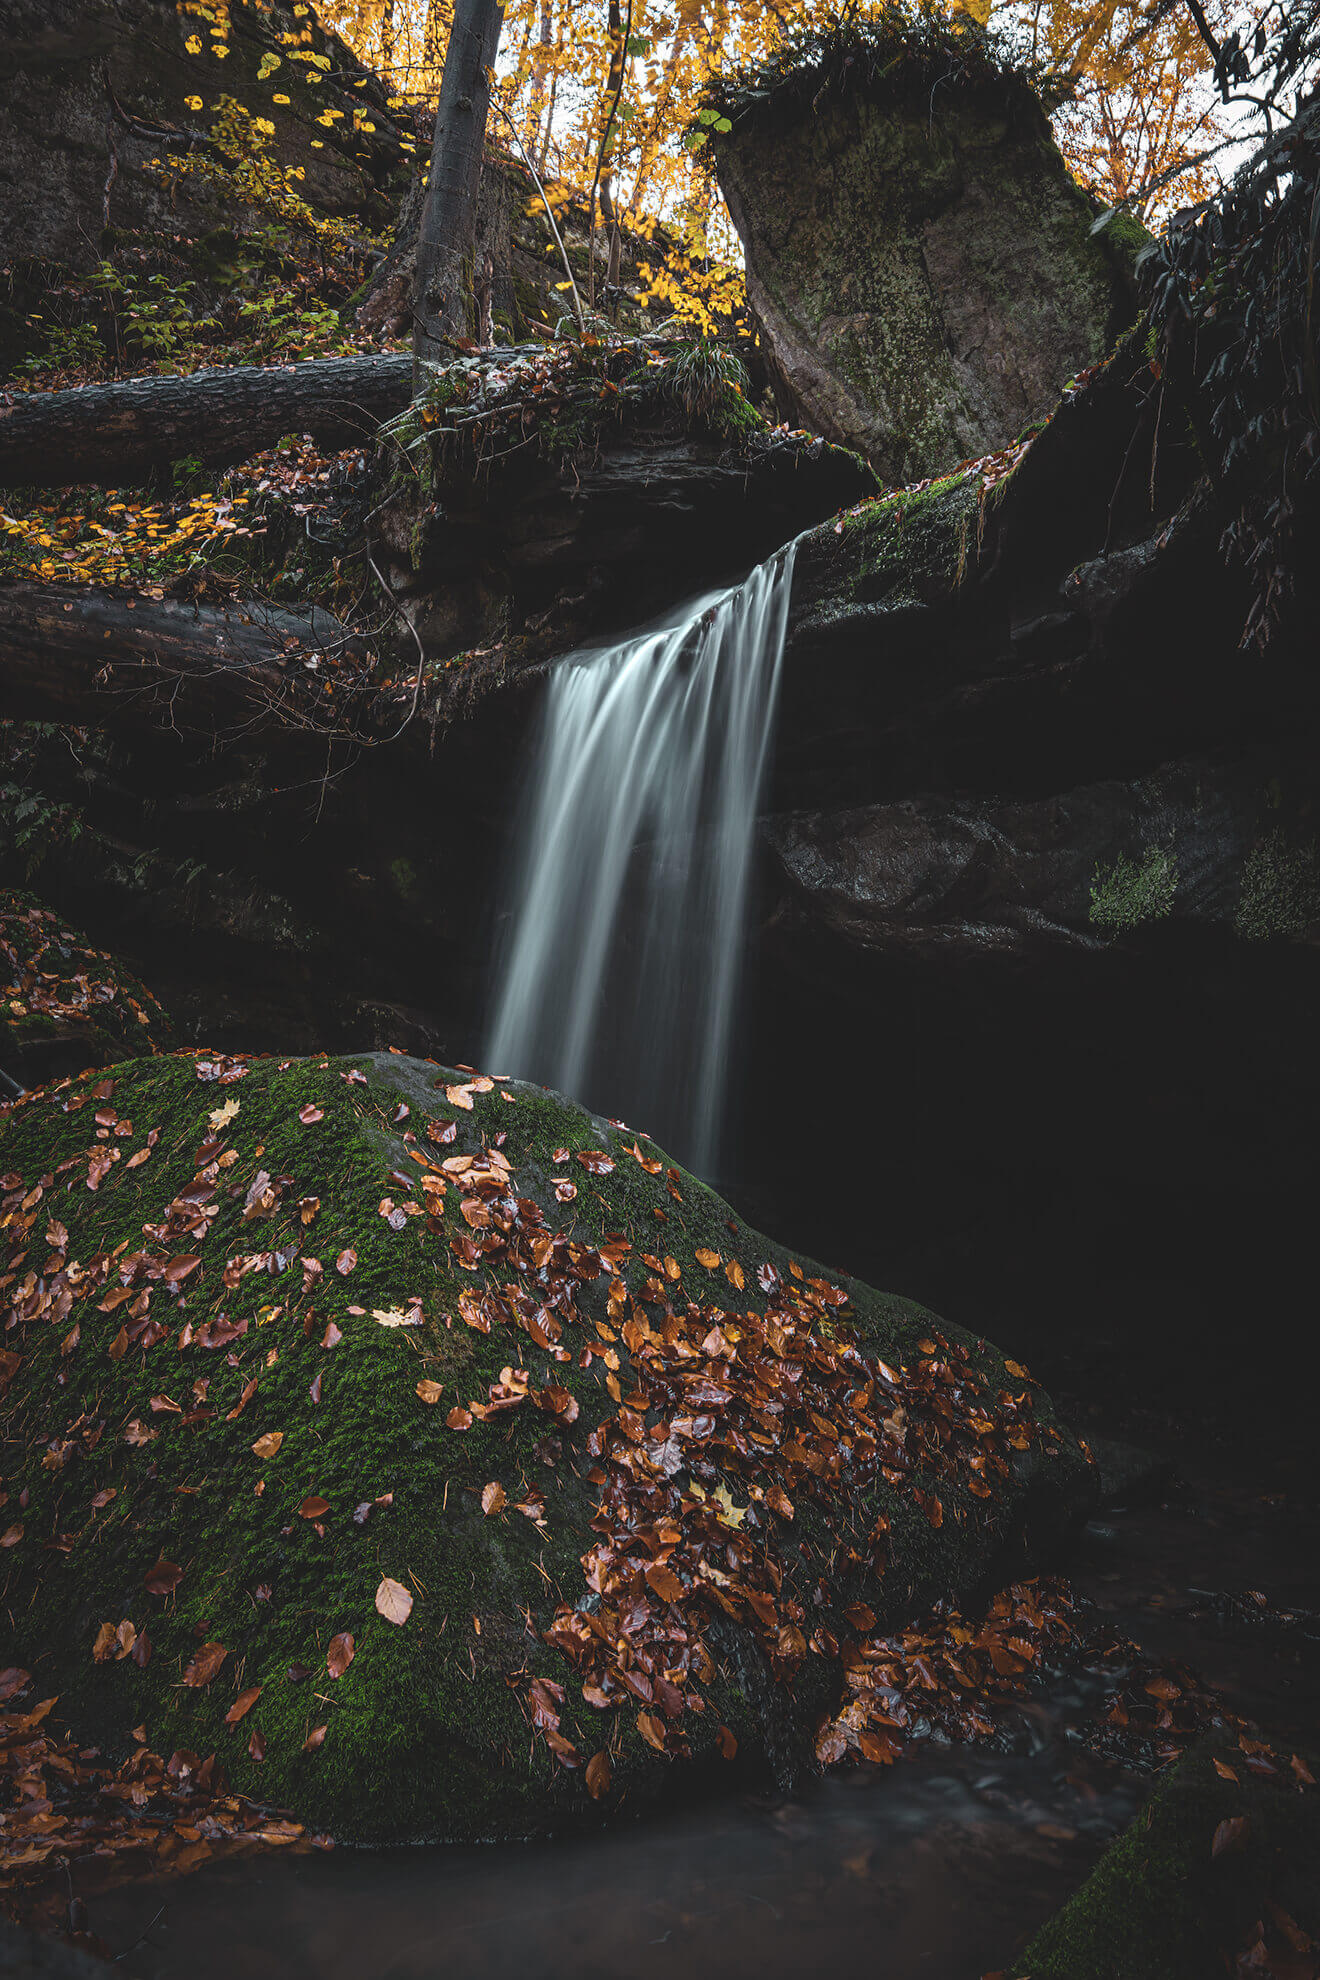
(921, 265)
(567, 548)
(962, 879)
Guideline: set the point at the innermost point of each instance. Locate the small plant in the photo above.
(1134, 890)
(701, 376)
(1280, 889)
(68, 347)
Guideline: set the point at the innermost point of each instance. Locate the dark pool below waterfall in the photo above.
(930, 1869)
(942, 1865)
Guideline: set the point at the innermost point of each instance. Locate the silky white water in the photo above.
(619, 972)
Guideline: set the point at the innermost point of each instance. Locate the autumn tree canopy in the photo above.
(609, 93)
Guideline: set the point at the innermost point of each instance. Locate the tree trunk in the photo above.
(82, 654)
(619, 37)
(540, 69)
(116, 434)
(442, 298)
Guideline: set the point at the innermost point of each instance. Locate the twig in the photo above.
(549, 212)
(421, 651)
(140, 1937)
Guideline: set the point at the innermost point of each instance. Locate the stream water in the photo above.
(938, 1868)
(620, 967)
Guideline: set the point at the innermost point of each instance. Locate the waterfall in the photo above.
(619, 975)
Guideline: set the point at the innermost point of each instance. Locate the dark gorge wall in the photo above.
(1040, 947)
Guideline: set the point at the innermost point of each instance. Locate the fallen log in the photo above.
(89, 655)
(117, 434)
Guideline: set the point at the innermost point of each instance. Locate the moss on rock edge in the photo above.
(428, 1732)
(1161, 1905)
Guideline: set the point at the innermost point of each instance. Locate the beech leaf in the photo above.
(340, 1654)
(393, 1601)
(205, 1664)
(242, 1705)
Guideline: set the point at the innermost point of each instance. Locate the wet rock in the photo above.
(1217, 1871)
(940, 876)
(571, 539)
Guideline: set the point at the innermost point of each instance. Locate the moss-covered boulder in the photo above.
(412, 1440)
(1219, 1872)
(919, 259)
(65, 1005)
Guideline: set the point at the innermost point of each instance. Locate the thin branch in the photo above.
(549, 211)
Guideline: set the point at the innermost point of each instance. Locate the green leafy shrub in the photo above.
(1280, 889)
(1134, 890)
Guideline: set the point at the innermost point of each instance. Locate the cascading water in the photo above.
(620, 972)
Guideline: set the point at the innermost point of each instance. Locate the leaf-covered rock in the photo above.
(64, 1003)
(675, 1483)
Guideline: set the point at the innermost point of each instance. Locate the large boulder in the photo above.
(300, 1350)
(920, 262)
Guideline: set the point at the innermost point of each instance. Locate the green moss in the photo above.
(1134, 890)
(1280, 894)
(1125, 237)
(426, 1731)
(1162, 1906)
(912, 546)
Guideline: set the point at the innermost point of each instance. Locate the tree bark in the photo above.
(81, 654)
(619, 38)
(442, 298)
(116, 434)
